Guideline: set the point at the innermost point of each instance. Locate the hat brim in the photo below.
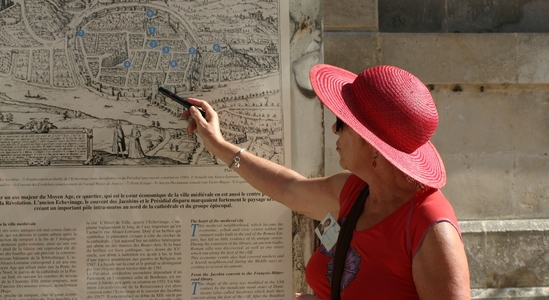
(424, 164)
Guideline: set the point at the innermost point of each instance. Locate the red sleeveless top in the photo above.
(379, 261)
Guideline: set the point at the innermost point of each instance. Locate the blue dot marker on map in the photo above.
(216, 47)
(80, 33)
(173, 63)
(127, 64)
(150, 13)
(152, 30)
(192, 50)
(166, 49)
(153, 44)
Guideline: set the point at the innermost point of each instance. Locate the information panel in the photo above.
(103, 194)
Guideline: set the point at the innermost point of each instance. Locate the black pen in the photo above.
(182, 101)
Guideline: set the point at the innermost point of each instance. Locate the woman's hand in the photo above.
(207, 127)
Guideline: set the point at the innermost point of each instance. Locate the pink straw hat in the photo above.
(392, 110)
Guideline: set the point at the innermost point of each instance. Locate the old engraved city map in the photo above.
(79, 79)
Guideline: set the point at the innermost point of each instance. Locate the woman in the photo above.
(407, 243)
(134, 148)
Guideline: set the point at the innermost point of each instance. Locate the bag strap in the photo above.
(344, 239)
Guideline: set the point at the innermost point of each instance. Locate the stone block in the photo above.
(496, 121)
(516, 259)
(411, 15)
(453, 58)
(531, 293)
(350, 15)
(496, 150)
(352, 51)
(481, 16)
(466, 16)
(505, 58)
(507, 258)
(497, 16)
(479, 187)
(476, 255)
(531, 187)
(533, 58)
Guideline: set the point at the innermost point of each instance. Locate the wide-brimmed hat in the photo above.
(392, 110)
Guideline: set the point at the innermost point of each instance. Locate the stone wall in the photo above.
(487, 65)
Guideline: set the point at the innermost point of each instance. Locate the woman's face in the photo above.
(354, 151)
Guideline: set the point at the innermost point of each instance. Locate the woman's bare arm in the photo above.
(312, 197)
(440, 268)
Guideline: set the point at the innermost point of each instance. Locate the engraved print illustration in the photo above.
(79, 79)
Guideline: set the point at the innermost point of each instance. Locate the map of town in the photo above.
(96, 66)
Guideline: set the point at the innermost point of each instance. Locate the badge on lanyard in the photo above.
(327, 231)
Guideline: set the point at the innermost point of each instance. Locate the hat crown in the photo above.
(396, 106)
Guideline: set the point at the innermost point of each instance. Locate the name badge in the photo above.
(327, 231)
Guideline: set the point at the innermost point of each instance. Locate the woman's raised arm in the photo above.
(311, 197)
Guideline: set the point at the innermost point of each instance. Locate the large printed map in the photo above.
(94, 66)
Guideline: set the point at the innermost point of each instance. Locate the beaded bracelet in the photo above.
(236, 159)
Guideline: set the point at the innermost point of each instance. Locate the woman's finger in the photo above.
(185, 115)
(203, 106)
(196, 115)
(190, 125)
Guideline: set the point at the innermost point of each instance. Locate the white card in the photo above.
(327, 231)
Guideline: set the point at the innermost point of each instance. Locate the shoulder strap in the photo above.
(344, 239)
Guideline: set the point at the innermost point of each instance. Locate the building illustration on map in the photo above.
(79, 80)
